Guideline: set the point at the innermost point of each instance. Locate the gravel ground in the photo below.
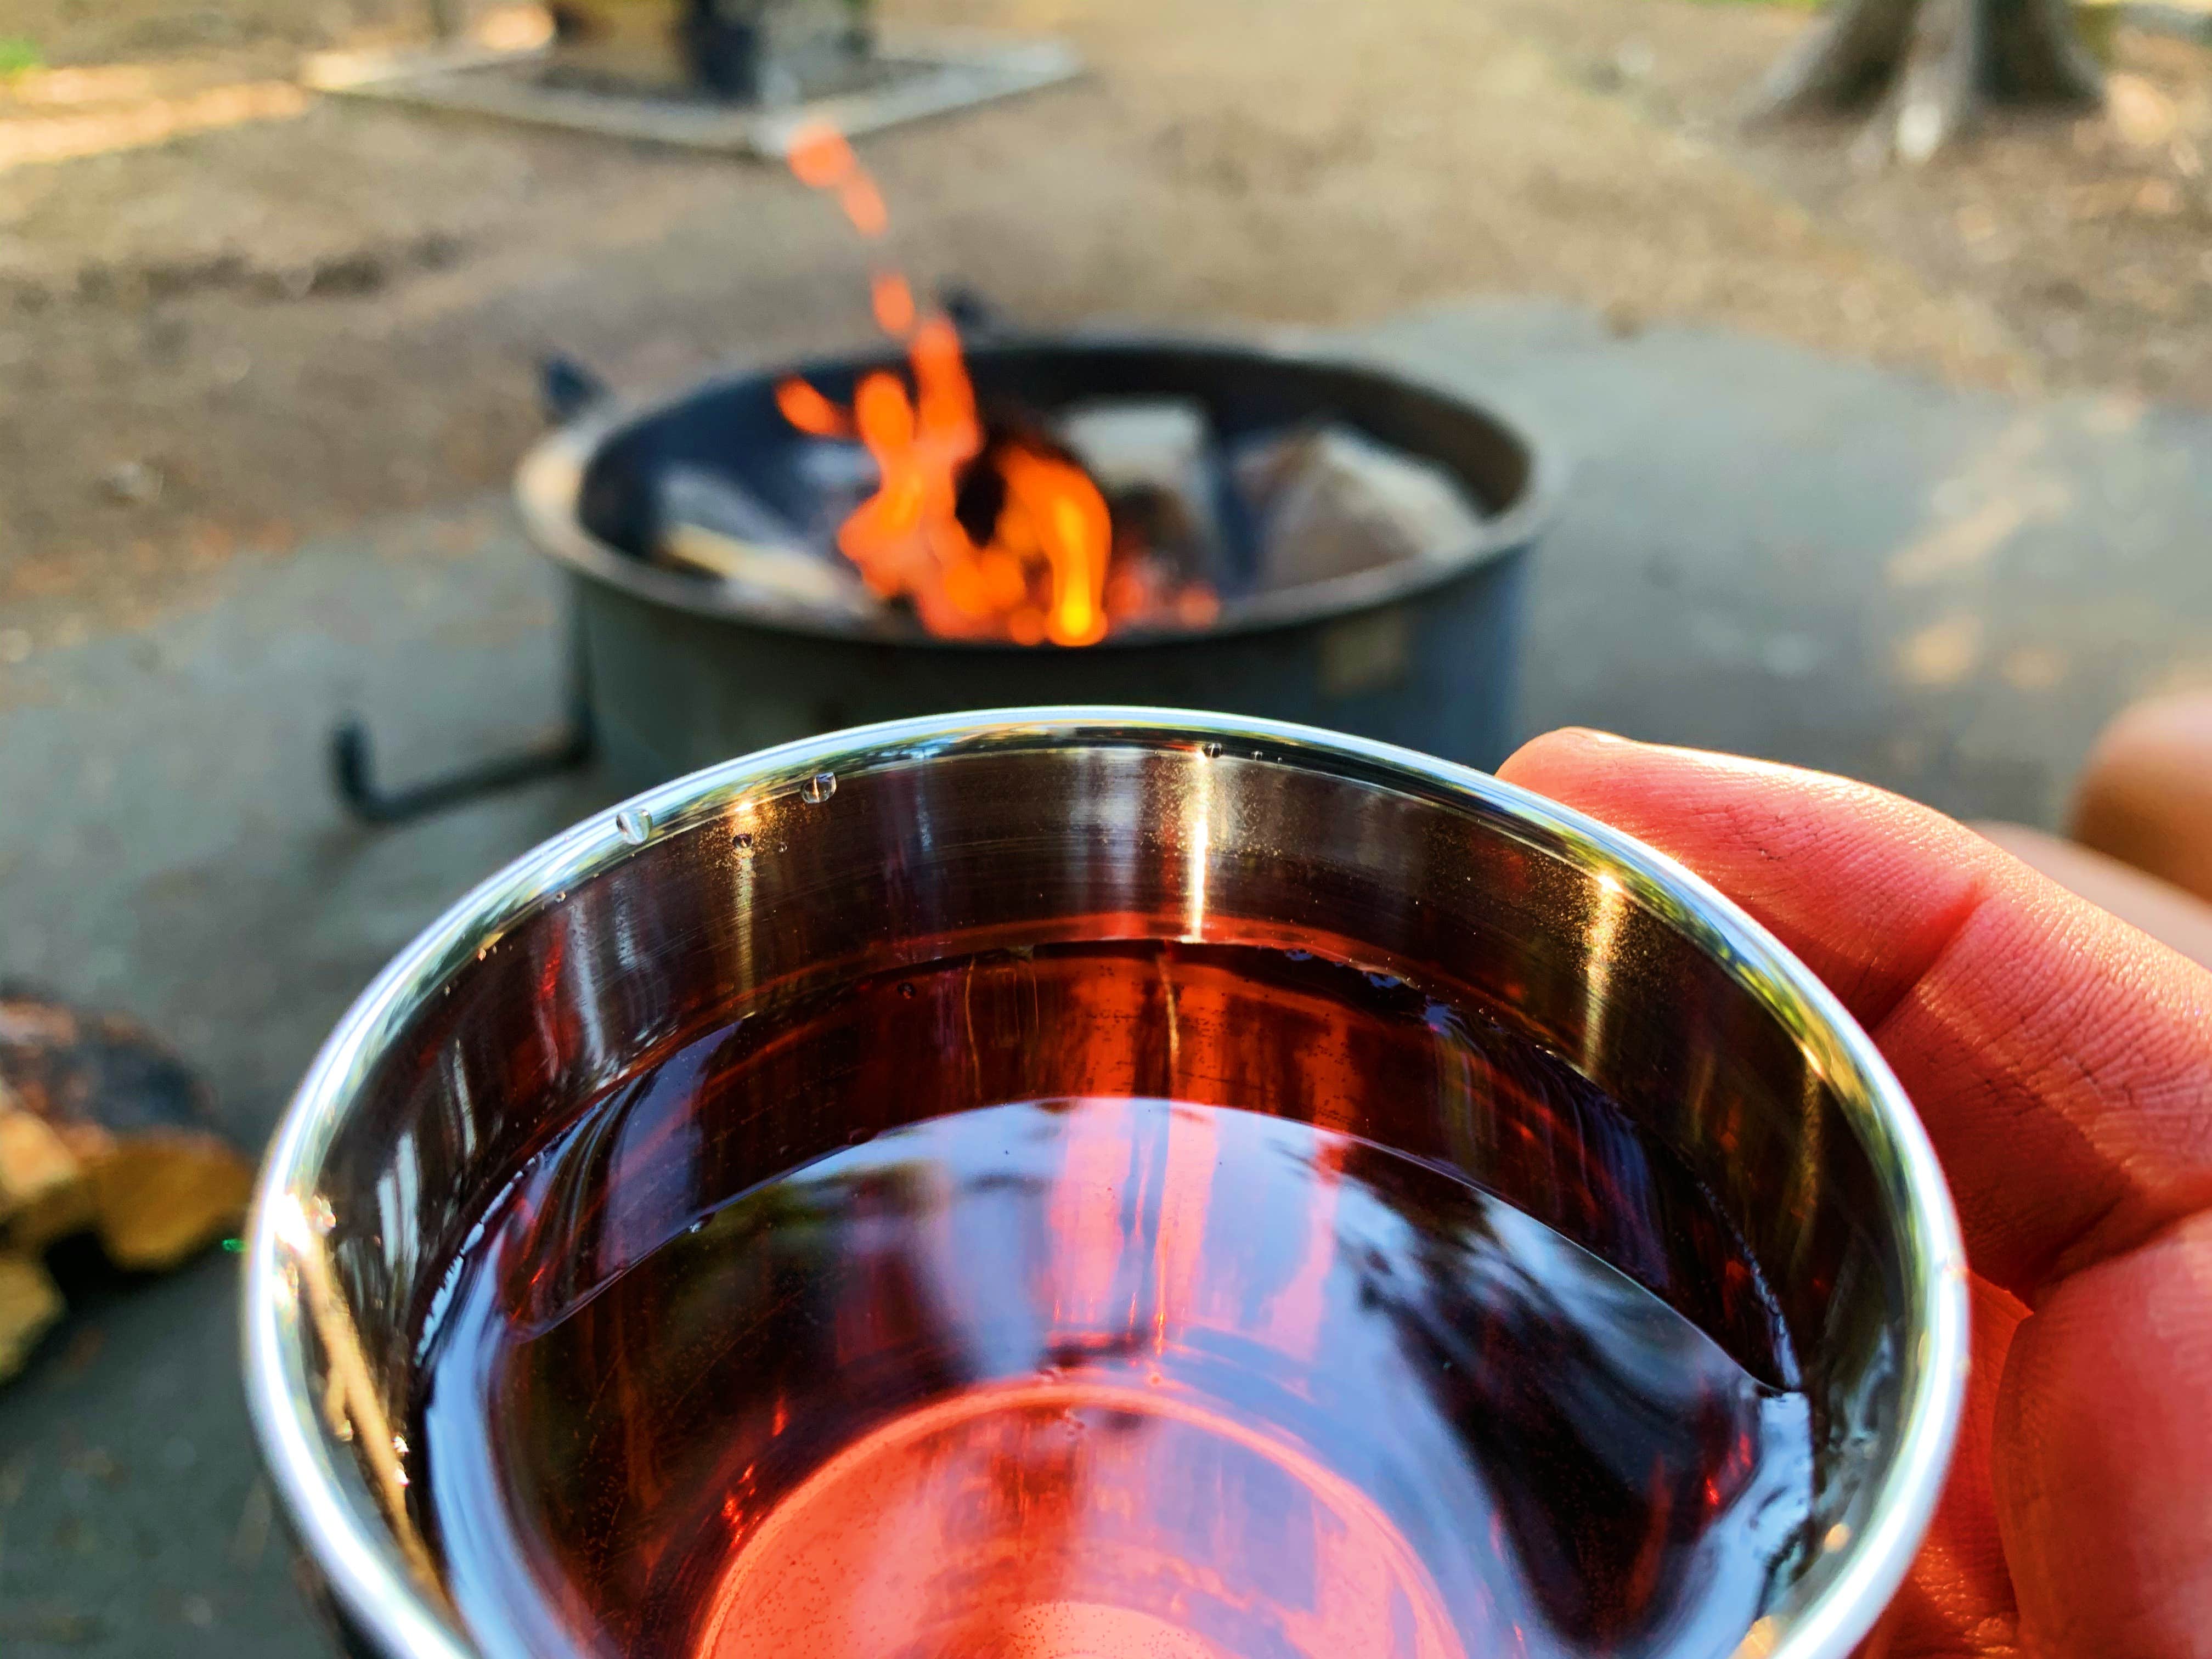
(273, 330)
(2089, 238)
(254, 334)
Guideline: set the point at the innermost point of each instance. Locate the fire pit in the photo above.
(676, 670)
(680, 671)
(678, 667)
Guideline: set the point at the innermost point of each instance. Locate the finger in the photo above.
(2103, 1466)
(2061, 1061)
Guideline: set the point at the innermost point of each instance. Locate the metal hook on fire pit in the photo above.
(353, 771)
(566, 389)
(350, 768)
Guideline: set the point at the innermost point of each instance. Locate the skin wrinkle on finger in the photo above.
(1875, 1011)
(2007, 1100)
(2073, 1032)
(1870, 987)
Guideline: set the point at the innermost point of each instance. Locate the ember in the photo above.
(989, 534)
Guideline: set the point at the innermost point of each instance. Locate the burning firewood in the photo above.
(1331, 502)
(102, 1129)
(713, 526)
(776, 572)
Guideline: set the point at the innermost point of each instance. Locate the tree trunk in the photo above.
(1928, 67)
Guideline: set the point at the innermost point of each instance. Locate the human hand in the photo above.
(2063, 1064)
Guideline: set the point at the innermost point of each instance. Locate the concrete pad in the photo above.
(1763, 551)
(1827, 564)
(926, 73)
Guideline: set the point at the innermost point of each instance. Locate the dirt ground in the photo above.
(280, 326)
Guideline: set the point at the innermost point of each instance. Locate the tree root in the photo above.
(1929, 68)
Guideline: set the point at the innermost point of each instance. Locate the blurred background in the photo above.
(1884, 389)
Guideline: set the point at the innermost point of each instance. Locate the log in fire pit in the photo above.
(1291, 537)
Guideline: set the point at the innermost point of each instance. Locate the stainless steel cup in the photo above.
(852, 853)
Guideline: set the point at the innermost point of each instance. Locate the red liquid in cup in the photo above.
(1089, 1363)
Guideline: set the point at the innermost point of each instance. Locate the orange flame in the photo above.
(864, 205)
(809, 411)
(820, 157)
(1043, 573)
(894, 303)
